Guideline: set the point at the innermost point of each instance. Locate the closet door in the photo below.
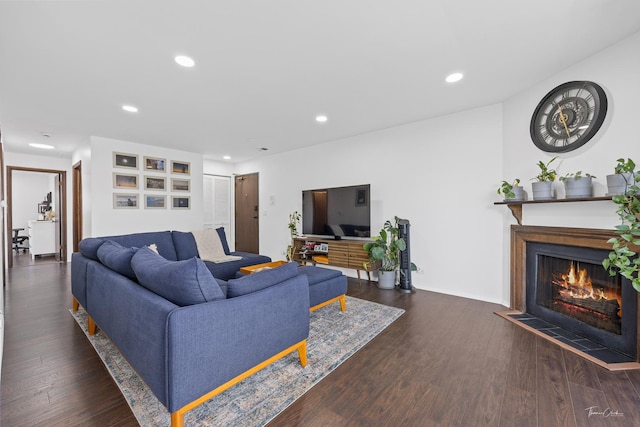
(217, 204)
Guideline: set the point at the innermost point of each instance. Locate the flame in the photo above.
(578, 284)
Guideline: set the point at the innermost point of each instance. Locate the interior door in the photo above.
(217, 203)
(247, 213)
(59, 203)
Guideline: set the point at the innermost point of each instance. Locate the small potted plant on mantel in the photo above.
(622, 178)
(623, 258)
(385, 250)
(542, 189)
(511, 191)
(577, 185)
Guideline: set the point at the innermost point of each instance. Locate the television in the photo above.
(339, 212)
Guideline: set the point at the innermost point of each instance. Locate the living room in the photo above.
(478, 147)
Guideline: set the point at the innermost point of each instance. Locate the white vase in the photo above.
(386, 279)
(542, 190)
(576, 188)
(619, 183)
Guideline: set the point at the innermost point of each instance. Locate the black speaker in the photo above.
(405, 258)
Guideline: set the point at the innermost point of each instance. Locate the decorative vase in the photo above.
(542, 190)
(386, 279)
(619, 183)
(519, 195)
(576, 188)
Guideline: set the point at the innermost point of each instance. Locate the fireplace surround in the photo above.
(589, 243)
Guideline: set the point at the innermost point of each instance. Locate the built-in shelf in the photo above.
(516, 206)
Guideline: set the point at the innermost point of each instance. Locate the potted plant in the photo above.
(542, 189)
(622, 178)
(294, 220)
(385, 250)
(511, 191)
(623, 258)
(577, 185)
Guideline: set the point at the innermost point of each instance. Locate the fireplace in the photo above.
(568, 287)
(560, 290)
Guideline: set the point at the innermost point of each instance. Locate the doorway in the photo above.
(36, 219)
(247, 215)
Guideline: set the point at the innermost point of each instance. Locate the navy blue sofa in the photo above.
(187, 334)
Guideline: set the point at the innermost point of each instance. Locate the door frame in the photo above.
(62, 209)
(77, 204)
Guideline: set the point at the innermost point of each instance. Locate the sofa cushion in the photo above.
(184, 282)
(89, 247)
(261, 280)
(162, 239)
(223, 240)
(116, 257)
(185, 244)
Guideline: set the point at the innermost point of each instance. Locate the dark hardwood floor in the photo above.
(447, 361)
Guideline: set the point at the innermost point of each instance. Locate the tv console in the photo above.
(343, 253)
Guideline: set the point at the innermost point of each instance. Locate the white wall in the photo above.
(105, 220)
(441, 174)
(616, 69)
(83, 155)
(29, 189)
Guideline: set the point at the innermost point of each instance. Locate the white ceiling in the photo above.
(265, 69)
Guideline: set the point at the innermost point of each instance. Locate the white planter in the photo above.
(619, 183)
(576, 188)
(386, 279)
(519, 195)
(542, 190)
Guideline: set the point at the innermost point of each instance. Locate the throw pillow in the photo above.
(184, 282)
(117, 258)
(223, 240)
(89, 247)
(261, 280)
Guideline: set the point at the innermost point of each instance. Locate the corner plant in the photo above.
(546, 174)
(386, 247)
(506, 188)
(623, 259)
(294, 220)
(576, 175)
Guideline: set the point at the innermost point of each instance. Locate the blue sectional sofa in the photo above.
(187, 334)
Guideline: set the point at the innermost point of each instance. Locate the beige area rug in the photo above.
(333, 337)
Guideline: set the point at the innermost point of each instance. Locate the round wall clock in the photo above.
(568, 116)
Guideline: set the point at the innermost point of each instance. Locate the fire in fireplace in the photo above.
(581, 290)
(568, 287)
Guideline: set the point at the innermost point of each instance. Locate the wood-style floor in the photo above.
(447, 361)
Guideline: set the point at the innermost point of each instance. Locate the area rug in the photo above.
(333, 337)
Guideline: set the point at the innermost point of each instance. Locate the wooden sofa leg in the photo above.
(75, 304)
(302, 352)
(91, 326)
(343, 303)
(177, 419)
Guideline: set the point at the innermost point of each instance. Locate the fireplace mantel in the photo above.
(521, 235)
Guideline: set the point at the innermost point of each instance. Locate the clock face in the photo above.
(568, 116)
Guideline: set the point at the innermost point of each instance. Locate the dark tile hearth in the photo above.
(582, 344)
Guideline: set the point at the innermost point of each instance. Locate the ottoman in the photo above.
(325, 287)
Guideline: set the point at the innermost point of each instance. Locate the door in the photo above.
(247, 213)
(217, 203)
(59, 225)
(77, 205)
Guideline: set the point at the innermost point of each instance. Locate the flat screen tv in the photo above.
(337, 212)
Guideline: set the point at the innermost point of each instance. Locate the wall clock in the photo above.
(568, 116)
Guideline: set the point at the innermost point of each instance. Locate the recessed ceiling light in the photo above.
(43, 146)
(130, 108)
(454, 77)
(321, 118)
(184, 61)
(226, 157)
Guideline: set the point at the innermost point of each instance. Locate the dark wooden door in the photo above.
(247, 213)
(77, 205)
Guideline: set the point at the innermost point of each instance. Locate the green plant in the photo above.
(294, 220)
(386, 247)
(576, 175)
(625, 167)
(506, 188)
(546, 174)
(623, 257)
